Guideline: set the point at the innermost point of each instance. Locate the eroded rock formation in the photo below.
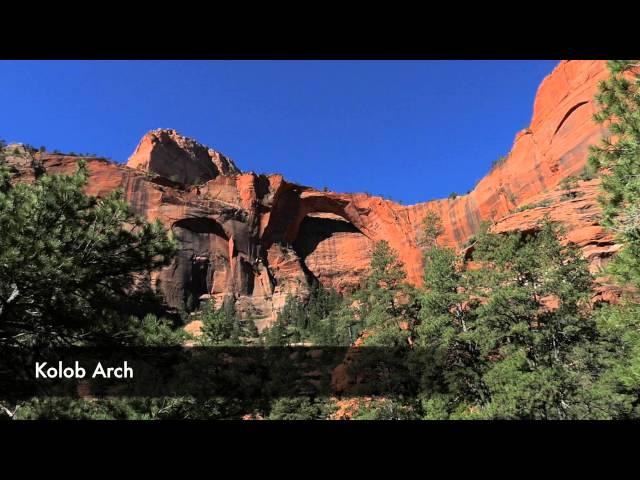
(181, 159)
(259, 238)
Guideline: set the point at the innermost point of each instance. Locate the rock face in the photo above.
(259, 239)
(554, 146)
(333, 250)
(181, 159)
(577, 210)
(579, 213)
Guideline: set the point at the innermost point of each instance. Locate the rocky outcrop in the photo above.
(578, 212)
(181, 159)
(259, 239)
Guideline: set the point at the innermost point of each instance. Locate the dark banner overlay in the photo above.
(205, 372)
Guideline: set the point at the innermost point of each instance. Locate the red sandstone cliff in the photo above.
(260, 238)
(179, 158)
(554, 146)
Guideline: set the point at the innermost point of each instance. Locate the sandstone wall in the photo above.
(260, 238)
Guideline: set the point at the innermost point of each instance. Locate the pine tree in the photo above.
(72, 271)
(513, 337)
(322, 302)
(276, 335)
(534, 317)
(152, 331)
(449, 358)
(69, 262)
(386, 409)
(301, 408)
(431, 230)
(385, 306)
(311, 321)
(251, 329)
(286, 330)
(219, 325)
(618, 159)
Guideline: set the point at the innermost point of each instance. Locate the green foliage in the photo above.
(515, 337)
(588, 173)
(301, 408)
(338, 327)
(290, 323)
(450, 359)
(540, 204)
(618, 159)
(386, 302)
(431, 229)
(88, 409)
(70, 266)
(219, 325)
(311, 321)
(569, 185)
(68, 261)
(498, 162)
(619, 326)
(387, 409)
(152, 331)
(277, 334)
(251, 328)
(380, 307)
(169, 408)
(512, 339)
(453, 196)
(190, 408)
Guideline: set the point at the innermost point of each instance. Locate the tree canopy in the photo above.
(71, 264)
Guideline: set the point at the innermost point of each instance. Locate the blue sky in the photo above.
(408, 130)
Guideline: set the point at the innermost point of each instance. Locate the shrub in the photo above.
(588, 173)
(569, 183)
(499, 161)
(529, 206)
